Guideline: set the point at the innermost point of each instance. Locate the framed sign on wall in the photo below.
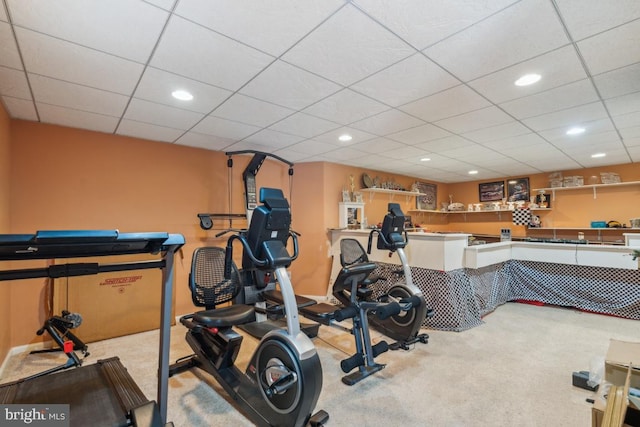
(428, 199)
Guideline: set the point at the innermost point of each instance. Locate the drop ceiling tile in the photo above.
(501, 40)
(345, 107)
(63, 94)
(294, 156)
(342, 154)
(632, 143)
(404, 153)
(592, 127)
(423, 23)
(289, 86)
(623, 121)
(119, 27)
(20, 108)
(613, 156)
(470, 153)
(557, 68)
(517, 169)
(161, 115)
(377, 145)
(164, 4)
(251, 111)
(272, 139)
(148, 131)
(302, 124)
(76, 119)
(474, 120)
(200, 54)
(311, 147)
(246, 145)
(612, 49)
(157, 86)
(618, 82)
(567, 118)
(360, 46)
(624, 104)
(61, 60)
(9, 56)
(570, 95)
(406, 81)
(631, 135)
(226, 129)
(14, 83)
(419, 134)
(596, 142)
(533, 151)
(494, 133)
(372, 161)
(387, 122)
(442, 144)
(260, 24)
(530, 139)
(448, 103)
(208, 142)
(634, 152)
(332, 136)
(588, 17)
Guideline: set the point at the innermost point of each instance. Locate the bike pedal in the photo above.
(319, 418)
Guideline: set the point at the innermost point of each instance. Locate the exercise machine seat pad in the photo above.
(224, 317)
(276, 297)
(345, 277)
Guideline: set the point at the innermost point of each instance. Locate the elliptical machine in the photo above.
(404, 327)
(282, 382)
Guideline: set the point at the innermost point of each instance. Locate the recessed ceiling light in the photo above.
(182, 95)
(528, 79)
(575, 131)
(425, 159)
(597, 155)
(345, 137)
(473, 172)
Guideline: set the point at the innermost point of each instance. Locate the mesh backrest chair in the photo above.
(206, 279)
(352, 252)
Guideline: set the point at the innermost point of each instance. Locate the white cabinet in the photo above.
(351, 215)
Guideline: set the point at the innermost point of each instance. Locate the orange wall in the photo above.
(5, 168)
(571, 208)
(66, 178)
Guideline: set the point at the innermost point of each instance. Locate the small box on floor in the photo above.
(581, 379)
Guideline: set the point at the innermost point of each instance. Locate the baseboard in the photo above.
(21, 349)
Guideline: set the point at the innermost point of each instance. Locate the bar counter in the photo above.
(463, 283)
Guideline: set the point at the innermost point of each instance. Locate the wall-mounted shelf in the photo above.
(581, 187)
(497, 212)
(472, 212)
(391, 193)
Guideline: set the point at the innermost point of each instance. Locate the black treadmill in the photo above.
(101, 394)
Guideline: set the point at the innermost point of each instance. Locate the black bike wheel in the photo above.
(276, 356)
(404, 318)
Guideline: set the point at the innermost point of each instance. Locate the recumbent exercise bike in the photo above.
(283, 380)
(403, 327)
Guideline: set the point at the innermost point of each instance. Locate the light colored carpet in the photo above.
(513, 370)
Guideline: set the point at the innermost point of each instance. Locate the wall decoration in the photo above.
(518, 189)
(428, 200)
(346, 196)
(491, 191)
